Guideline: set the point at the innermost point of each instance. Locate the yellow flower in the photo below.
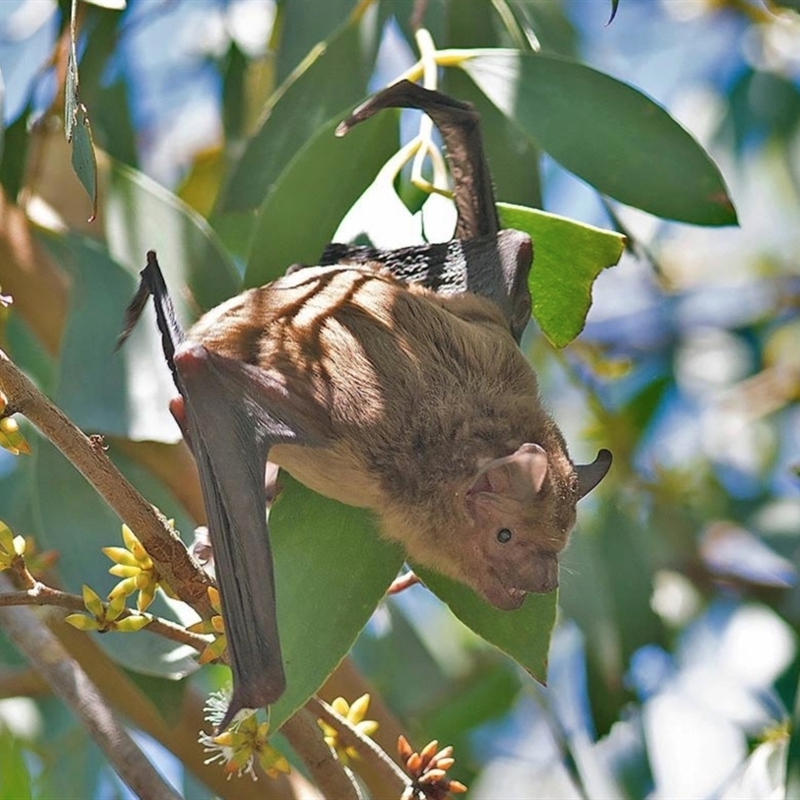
(104, 617)
(215, 626)
(11, 547)
(10, 437)
(240, 745)
(354, 714)
(136, 569)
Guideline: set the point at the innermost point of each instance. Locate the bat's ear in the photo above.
(589, 475)
(518, 475)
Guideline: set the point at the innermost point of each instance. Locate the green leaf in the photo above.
(305, 23)
(15, 780)
(606, 587)
(127, 392)
(332, 569)
(523, 634)
(329, 81)
(84, 161)
(309, 199)
(567, 257)
(606, 132)
(123, 392)
(141, 215)
(16, 142)
(77, 128)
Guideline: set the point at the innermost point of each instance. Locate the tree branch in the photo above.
(68, 680)
(42, 595)
(306, 739)
(163, 545)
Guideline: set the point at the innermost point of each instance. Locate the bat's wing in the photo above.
(481, 258)
(231, 414)
(494, 266)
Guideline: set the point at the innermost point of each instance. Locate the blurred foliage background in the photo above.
(673, 666)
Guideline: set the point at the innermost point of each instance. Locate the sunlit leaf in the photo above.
(327, 83)
(568, 256)
(308, 201)
(15, 779)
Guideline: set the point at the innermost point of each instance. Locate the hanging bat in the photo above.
(390, 380)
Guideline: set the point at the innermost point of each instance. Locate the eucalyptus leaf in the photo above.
(567, 257)
(15, 779)
(331, 79)
(84, 161)
(308, 200)
(305, 23)
(332, 569)
(524, 634)
(606, 132)
(140, 215)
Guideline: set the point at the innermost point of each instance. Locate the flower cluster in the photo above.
(428, 771)
(104, 617)
(354, 713)
(135, 567)
(242, 744)
(214, 626)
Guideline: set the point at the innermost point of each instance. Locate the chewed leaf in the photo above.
(567, 257)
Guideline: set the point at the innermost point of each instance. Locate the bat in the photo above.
(389, 380)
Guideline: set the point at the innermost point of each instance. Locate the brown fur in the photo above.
(418, 391)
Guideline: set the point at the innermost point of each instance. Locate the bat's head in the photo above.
(522, 508)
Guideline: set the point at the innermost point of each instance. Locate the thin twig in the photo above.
(306, 738)
(43, 595)
(68, 680)
(163, 545)
(364, 746)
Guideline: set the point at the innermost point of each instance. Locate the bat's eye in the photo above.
(504, 535)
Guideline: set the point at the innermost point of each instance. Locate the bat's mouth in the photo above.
(505, 595)
(502, 596)
(517, 596)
